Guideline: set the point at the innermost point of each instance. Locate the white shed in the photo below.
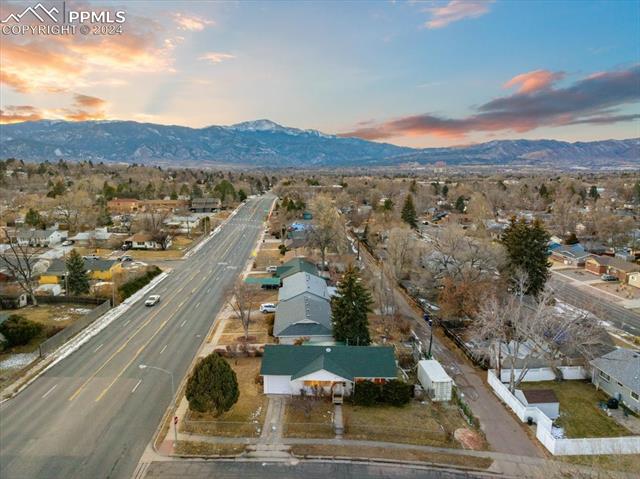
(435, 380)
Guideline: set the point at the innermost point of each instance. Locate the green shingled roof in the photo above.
(294, 266)
(349, 362)
(263, 281)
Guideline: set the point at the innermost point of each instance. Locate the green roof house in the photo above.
(288, 369)
(296, 265)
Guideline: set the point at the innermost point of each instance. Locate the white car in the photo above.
(267, 308)
(152, 300)
(272, 269)
(67, 243)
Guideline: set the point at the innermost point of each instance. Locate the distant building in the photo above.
(123, 205)
(40, 238)
(144, 240)
(205, 205)
(611, 265)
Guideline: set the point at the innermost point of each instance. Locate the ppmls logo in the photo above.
(39, 11)
(40, 20)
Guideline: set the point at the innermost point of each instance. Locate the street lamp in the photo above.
(430, 322)
(175, 419)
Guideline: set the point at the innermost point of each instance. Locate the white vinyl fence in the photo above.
(562, 447)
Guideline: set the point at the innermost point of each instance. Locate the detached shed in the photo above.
(544, 399)
(435, 380)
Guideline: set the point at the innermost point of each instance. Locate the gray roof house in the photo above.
(618, 374)
(302, 282)
(304, 316)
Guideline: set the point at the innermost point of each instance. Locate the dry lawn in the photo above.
(393, 454)
(195, 448)
(424, 424)
(580, 415)
(308, 418)
(623, 462)
(246, 417)
(397, 330)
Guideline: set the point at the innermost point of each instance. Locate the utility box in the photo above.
(435, 380)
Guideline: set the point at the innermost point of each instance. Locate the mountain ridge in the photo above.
(266, 143)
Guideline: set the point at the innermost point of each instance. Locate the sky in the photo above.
(414, 73)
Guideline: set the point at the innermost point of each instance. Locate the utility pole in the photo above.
(430, 322)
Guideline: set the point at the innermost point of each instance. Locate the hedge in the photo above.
(394, 393)
(130, 287)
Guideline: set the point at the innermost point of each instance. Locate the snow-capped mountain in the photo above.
(265, 143)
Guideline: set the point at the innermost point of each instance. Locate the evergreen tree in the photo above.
(77, 275)
(104, 218)
(636, 192)
(593, 193)
(413, 188)
(527, 250)
(242, 195)
(213, 386)
(387, 205)
(445, 191)
(408, 214)
(544, 192)
(349, 310)
(571, 239)
(459, 206)
(32, 218)
(225, 189)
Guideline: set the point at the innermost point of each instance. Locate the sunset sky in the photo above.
(416, 73)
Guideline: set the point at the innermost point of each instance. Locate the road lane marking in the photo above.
(183, 323)
(136, 386)
(96, 350)
(209, 290)
(49, 391)
(165, 347)
(126, 322)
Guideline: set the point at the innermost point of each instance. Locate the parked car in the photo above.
(608, 277)
(272, 269)
(125, 258)
(67, 243)
(91, 256)
(125, 247)
(427, 306)
(267, 308)
(152, 300)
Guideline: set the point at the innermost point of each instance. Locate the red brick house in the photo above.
(611, 265)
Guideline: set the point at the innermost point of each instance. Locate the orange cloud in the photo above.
(455, 11)
(191, 23)
(18, 114)
(533, 81)
(89, 101)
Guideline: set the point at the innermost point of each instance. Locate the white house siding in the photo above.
(614, 389)
(634, 280)
(277, 385)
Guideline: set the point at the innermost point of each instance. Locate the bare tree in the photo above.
(517, 332)
(326, 231)
(20, 260)
(402, 248)
(240, 297)
(153, 223)
(385, 299)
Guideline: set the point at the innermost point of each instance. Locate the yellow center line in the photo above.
(124, 345)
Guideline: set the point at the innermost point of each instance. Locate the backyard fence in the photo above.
(57, 340)
(452, 334)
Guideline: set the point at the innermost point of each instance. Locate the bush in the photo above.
(213, 386)
(130, 287)
(397, 393)
(366, 393)
(19, 330)
(283, 249)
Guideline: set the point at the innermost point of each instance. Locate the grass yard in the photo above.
(425, 424)
(392, 454)
(195, 448)
(308, 418)
(246, 417)
(580, 415)
(396, 330)
(268, 255)
(629, 463)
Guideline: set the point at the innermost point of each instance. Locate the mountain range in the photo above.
(263, 143)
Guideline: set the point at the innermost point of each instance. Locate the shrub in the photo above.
(213, 386)
(130, 287)
(283, 249)
(397, 393)
(19, 330)
(366, 393)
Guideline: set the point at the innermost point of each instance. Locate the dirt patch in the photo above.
(470, 439)
(196, 448)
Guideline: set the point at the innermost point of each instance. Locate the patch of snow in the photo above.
(18, 361)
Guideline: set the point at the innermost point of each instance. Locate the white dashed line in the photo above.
(183, 323)
(136, 386)
(197, 306)
(49, 391)
(165, 347)
(96, 350)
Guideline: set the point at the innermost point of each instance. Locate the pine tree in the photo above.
(544, 192)
(445, 191)
(527, 250)
(32, 218)
(459, 206)
(593, 193)
(408, 214)
(213, 386)
(77, 275)
(349, 310)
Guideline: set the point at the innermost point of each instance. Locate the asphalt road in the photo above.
(618, 316)
(308, 470)
(92, 414)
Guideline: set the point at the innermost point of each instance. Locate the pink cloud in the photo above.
(533, 81)
(192, 23)
(455, 11)
(216, 57)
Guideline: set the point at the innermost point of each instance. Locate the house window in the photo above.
(604, 376)
(635, 396)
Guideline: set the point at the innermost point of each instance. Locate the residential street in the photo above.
(92, 414)
(594, 301)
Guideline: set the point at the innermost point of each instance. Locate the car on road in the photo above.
(272, 269)
(267, 308)
(427, 306)
(152, 300)
(67, 243)
(608, 277)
